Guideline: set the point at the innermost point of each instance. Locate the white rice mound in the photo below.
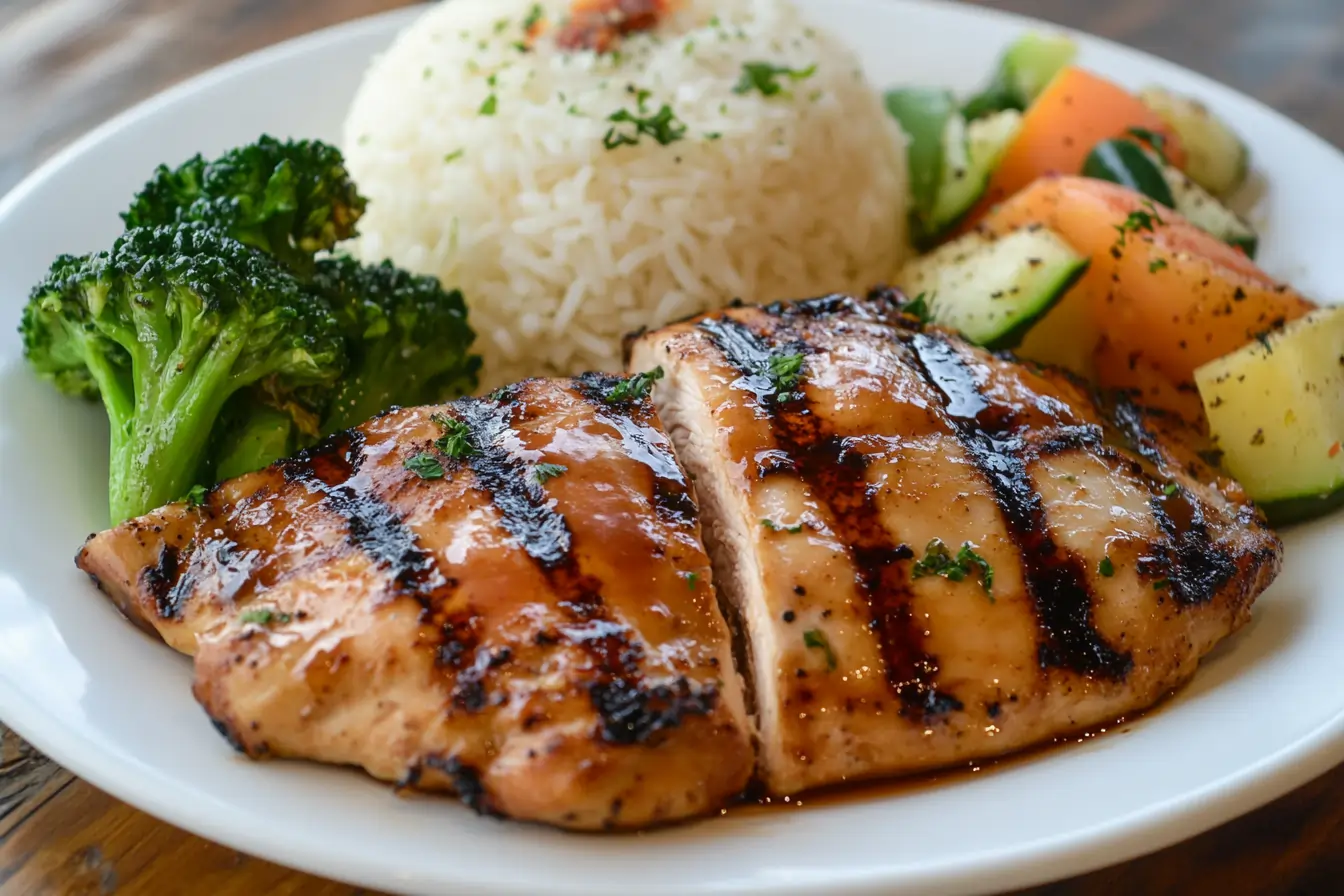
(561, 245)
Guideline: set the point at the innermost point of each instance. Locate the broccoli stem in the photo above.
(251, 437)
(168, 434)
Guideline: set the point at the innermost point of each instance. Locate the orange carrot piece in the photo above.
(1076, 111)
(1173, 293)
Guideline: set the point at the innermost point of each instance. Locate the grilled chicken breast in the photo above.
(936, 554)
(528, 620)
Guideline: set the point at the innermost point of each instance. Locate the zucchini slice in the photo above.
(1276, 412)
(993, 289)
(1030, 63)
(970, 155)
(1199, 207)
(1217, 158)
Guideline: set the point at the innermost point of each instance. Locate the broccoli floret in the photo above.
(292, 199)
(407, 337)
(166, 327)
(58, 341)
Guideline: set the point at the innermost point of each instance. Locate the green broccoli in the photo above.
(408, 339)
(292, 199)
(166, 327)
(252, 434)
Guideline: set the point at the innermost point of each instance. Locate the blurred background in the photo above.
(66, 65)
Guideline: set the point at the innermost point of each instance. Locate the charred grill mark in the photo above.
(226, 731)
(836, 471)
(469, 691)
(633, 715)
(529, 516)
(670, 493)
(751, 356)
(823, 306)
(465, 780)
(1056, 579)
(1129, 420)
(332, 469)
(159, 580)
(1198, 567)
(524, 506)
(1188, 555)
(1066, 439)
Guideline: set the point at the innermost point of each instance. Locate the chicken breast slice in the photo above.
(529, 620)
(934, 554)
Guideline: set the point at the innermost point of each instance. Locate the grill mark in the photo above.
(630, 711)
(1055, 578)
(823, 306)
(835, 470)
(670, 493)
(160, 581)
(333, 469)
(1196, 566)
(464, 778)
(1066, 439)
(524, 507)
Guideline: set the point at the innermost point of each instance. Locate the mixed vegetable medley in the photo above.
(1083, 225)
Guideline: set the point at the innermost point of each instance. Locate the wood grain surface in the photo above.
(65, 65)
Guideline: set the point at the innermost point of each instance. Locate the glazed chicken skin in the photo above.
(525, 617)
(936, 554)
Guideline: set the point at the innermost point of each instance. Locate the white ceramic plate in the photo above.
(1265, 714)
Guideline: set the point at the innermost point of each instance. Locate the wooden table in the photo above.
(67, 64)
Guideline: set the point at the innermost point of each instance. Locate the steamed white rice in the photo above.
(561, 245)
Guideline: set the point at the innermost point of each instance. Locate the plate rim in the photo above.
(140, 784)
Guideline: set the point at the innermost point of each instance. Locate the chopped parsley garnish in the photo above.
(1157, 264)
(920, 308)
(764, 76)
(815, 639)
(456, 439)
(663, 126)
(544, 473)
(635, 387)
(1137, 221)
(1106, 567)
(263, 616)
(1157, 141)
(1263, 338)
(424, 465)
(196, 497)
(691, 579)
(785, 370)
(939, 561)
(490, 106)
(1161, 584)
(455, 155)
(776, 527)
(1170, 489)
(534, 16)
